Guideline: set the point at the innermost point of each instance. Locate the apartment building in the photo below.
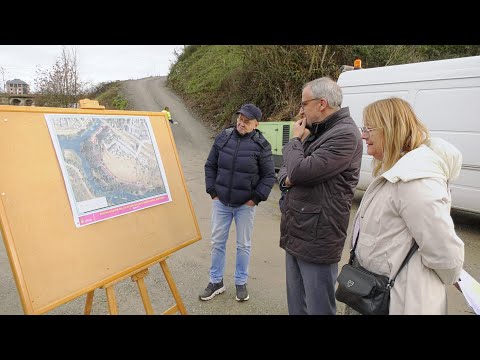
(16, 87)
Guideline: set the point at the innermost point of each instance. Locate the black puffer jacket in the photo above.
(240, 168)
(324, 171)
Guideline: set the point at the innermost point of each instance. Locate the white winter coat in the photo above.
(412, 200)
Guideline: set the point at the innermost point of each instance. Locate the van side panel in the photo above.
(445, 96)
(453, 113)
(358, 99)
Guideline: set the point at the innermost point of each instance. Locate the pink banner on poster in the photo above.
(121, 210)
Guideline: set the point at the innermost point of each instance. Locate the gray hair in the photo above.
(328, 89)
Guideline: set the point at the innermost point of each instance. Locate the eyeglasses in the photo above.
(366, 130)
(304, 103)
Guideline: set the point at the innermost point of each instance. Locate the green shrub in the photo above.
(109, 94)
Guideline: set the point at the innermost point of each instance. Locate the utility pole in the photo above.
(2, 71)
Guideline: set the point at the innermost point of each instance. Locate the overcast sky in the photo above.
(97, 63)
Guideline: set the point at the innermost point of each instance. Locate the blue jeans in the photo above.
(222, 217)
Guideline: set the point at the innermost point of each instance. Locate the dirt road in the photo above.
(189, 266)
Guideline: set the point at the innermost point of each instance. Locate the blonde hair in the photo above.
(402, 130)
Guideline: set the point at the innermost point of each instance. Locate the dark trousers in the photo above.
(310, 287)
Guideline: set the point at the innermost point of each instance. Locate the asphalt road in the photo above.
(189, 266)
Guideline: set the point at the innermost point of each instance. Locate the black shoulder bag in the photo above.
(364, 291)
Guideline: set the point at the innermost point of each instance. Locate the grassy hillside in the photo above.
(109, 95)
(201, 75)
(216, 79)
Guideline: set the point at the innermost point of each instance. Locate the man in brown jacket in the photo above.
(321, 169)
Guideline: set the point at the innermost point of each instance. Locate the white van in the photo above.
(445, 95)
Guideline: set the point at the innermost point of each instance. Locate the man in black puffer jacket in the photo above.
(239, 173)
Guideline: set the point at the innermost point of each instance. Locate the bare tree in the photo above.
(60, 85)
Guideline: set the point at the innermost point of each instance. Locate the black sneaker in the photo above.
(212, 290)
(242, 293)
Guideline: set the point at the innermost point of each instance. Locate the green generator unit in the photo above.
(278, 133)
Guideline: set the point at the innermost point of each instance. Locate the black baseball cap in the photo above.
(251, 112)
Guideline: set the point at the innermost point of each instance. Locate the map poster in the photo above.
(110, 164)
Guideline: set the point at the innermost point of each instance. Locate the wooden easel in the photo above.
(138, 278)
(95, 256)
(138, 275)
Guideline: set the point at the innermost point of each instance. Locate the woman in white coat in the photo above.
(408, 200)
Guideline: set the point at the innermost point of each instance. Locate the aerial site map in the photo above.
(110, 164)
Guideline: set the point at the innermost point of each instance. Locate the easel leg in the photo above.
(138, 278)
(112, 303)
(173, 287)
(88, 303)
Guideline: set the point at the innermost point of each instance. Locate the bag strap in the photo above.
(407, 258)
(352, 251)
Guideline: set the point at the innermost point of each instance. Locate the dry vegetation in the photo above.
(215, 79)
